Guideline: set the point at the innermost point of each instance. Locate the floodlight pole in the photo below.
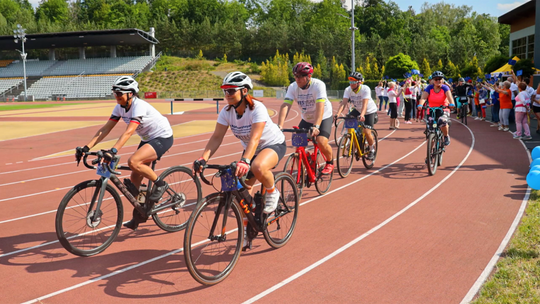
(19, 33)
(353, 67)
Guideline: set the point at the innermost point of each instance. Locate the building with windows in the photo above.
(523, 26)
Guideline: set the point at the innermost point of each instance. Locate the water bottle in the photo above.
(143, 189)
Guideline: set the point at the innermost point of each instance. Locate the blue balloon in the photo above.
(535, 162)
(535, 152)
(535, 168)
(533, 179)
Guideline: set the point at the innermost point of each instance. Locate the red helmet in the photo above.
(303, 69)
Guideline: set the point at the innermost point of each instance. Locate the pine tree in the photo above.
(425, 69)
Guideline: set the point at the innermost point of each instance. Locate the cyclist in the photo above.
(437, 95)
(461, 92)
(310, 94)
(156, 139)
(364, 107)
(263, 142)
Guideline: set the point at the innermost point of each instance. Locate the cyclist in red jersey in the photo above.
(437, 95)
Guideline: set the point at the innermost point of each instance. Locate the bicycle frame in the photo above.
(305, 158)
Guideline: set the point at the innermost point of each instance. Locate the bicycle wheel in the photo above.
(368, 163)
(322, 184)
(339, 130)
(432, 154)
(291, 167)
(464, 113)
(346, 152)
(211, 257)
(179, 201)
(76, 227)
(440, 147)
(280, 223)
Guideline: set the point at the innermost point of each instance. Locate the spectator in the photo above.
(523, 102)
(505, 101)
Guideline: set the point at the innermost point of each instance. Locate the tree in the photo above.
(400, 64)
(495, 63)
(425, 69)
(526, 65)
(53, 11)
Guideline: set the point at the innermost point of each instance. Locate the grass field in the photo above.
(31, 106)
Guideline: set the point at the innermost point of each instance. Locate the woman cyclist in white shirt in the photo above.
(153, 128)
(263, 142)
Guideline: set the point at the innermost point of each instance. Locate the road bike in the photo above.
(216, 232)
(90, 215)
(435, 140)
(306, 167)
(339, 127)
(463, 109)
(350, 148)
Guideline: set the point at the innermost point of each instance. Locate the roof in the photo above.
(80, 39)
(524, 10)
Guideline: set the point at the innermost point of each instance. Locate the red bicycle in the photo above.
(304, 166)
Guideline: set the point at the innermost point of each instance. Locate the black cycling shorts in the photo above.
(370, 119)
(324, 130)
(280, 149)
(160, 145)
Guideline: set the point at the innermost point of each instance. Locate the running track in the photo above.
(392, 234)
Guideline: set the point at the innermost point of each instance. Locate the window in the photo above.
(519, 47)
(530, 47)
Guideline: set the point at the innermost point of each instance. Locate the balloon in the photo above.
(535, 168)
(535, 162)
(533, 179)
(535, 152)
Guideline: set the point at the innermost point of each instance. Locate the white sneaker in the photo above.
(494, 125)
(272, 200)
(516, 136)
(500, 128)
(477, 118)
(506, 129)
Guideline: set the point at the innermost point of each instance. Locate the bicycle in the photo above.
(212, 247)
(463, 110)
(302, 163)
(350, 148)
(340, 129)
(90, 215)
(435, 140)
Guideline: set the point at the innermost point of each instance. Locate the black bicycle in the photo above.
(435, 140)
(90, 215)
(216, 230)
(463, 110)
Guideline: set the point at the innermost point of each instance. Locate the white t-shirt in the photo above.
(308, 98)
(531, 92)
(384, 91)
(151, 123)
(522, 100)
(392, 94)
(514, 87)
(378, 91)
(358, 99)
(241, 128)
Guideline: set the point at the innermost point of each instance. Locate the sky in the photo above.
(495, 8)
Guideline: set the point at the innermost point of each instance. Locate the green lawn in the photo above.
(31, 106)
(516, 277)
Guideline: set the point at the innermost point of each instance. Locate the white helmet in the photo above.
(126, 84)
(236, 79)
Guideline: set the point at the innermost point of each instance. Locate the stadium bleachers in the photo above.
(96, 86)
(8, 83)
(86, 78)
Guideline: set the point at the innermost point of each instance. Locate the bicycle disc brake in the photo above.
(93, 221)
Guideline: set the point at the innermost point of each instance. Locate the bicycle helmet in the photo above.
(303, 69)
(356, 75)
(461, 79)
(126, 84)
(437, 74)
(235, 80)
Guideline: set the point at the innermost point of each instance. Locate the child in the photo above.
(523, 103)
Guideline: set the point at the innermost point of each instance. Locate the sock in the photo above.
(270, 190)
(330, 162)
(159, 182)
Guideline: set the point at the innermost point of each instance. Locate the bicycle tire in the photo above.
(345, 155)
(291, 167)
(432, 154)
(184, 189)
(464, 114)
(368, 163)
(88, 237)
(440, 147)
(339, 130)
(203, 256)
(323, 182)
(280, 224)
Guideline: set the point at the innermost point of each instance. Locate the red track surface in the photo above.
(399, 242)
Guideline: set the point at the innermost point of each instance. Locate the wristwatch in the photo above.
(317, 126)
(113, 150)
(246, 160)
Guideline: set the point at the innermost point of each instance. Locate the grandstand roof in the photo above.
(521, 11)
(80, 39)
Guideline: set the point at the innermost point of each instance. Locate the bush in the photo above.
(495, 63)
(526, 65)
(398, 65)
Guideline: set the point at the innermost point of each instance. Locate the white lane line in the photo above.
(363, 236)
(491, 264)
(177, 250)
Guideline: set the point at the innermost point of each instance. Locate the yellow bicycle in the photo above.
(350, 148)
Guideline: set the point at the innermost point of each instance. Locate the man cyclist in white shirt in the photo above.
(364, 106)
(310, 94)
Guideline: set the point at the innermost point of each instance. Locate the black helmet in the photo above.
(437, 74)
(357, 76)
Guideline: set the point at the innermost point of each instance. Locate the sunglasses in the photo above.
(230, 91)
(353, 82)
(437, 79)
(118, 93)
